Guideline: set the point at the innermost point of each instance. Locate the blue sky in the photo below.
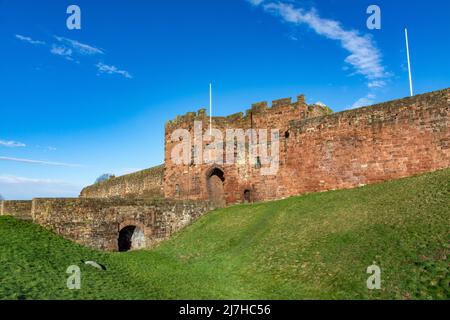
(78, 103)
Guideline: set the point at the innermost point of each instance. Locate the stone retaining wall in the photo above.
(96, 223)
(18, 209)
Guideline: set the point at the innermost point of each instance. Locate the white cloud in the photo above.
(256, 2)
(71, 49)
(46, 148)
(61, 51)
(364, 101)
(64, 52)
(17, 188)
(48, 163)
(29, 40)
(17, 180)
(104, 68)
(377, 84)
(81, 48)
(12, 144)
(365, 57)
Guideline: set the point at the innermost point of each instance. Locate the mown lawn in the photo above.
(316, 246)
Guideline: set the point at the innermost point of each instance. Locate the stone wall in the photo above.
(348, 149)
(96, 223)
(17, 209)
(321, 151)
(387, 141)
(193, 181)
(145, 184)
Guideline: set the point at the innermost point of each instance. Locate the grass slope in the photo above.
(316, 246)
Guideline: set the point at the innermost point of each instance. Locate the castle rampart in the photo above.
(319, 151)
(145, 184)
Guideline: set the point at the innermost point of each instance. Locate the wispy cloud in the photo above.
(14, 187)
(364, 101)
(46, 148)
(377, 84)
(62, 51)
(365, 58)
(73, 50)
(81, 48)
(256, 2)
(12, 144)
(104, 68)
(48, 163)
(29, 40)
(16, 180)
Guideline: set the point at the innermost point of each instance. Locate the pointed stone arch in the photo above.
(215, 180)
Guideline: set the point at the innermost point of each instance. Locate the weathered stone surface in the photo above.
(97, 222)
(18, 209)
(322, 151)
(145, 184)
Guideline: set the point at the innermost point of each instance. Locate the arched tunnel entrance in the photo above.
(215, 181)
(131, 238)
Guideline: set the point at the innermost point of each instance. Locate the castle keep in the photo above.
(318, 151)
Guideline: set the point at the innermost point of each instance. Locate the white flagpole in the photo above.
(409, 63)
(210, 108)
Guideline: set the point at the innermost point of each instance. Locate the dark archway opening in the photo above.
(219, 173)
(125, 238)
(131, 237)
(215, 181)
(247, 196)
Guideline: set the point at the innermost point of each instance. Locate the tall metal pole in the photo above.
(210, 108)
(409, 63)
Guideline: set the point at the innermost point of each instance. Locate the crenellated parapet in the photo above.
(286, 107)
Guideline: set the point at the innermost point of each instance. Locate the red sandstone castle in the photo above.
(319, 150)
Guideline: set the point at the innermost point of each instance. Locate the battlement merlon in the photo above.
(259, 108)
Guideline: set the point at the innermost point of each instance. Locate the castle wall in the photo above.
(190, 181)
(320, 151)
(18, 209)
(145, 184)
(383, 142)
(96, 223)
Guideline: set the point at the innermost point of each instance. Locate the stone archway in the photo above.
(215, 183)
(131, 238)
(247, 196)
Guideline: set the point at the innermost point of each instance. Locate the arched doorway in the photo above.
(247, 196)
(215, 180)
(131, 238)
